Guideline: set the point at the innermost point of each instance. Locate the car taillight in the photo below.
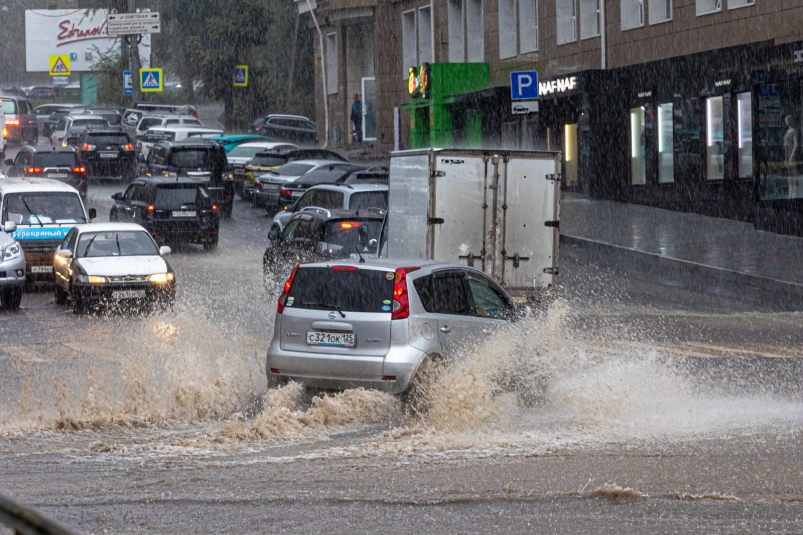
(401, 303)
(258, 185)
(5, 132)
(79, 169)
(87, 146)
(285, 191)
(346, 225)
(228, 197)
(151, 208)
(128, 147)
(214, 208)
(286, 290)
(259, 128)
(344, 268)
(12, 122)
(33, 169)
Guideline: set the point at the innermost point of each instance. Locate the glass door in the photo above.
(369, 108)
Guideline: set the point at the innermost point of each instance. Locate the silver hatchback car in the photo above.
(346, 324)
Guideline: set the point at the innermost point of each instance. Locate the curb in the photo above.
(699, 277)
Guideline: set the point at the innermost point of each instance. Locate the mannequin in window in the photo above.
(790, 154)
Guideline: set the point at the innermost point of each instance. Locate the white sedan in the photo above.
(112, 263)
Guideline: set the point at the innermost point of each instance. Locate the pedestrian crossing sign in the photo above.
(60, 65)
(150, 80)
(241, 76)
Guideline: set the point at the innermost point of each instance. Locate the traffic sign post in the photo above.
(60, 65)
(133, 23)
(241, 76)
(61, 80)
(524, 85)
(128, 83)
(150, 80)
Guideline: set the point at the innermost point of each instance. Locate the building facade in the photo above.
(693, 105)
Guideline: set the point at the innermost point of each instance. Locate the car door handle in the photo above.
(446, 329)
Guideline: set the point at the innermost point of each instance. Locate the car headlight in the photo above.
(92, 279)
(161, 278)
(170, 174)
(12, 251)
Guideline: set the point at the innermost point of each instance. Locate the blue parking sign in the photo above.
(523, 85)
(128, 83)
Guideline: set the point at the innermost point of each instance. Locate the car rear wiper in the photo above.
(328, 305)
(31, 211)
(117, 240)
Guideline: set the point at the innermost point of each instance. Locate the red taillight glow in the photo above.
(128, 147)
(346, 225)
(33, 169)
(258, 185)
(79, 169)
(401, 304)
(259, 128)
(285, 191)
(275, 371)
(228, 196)
(87, 146)
(151, 208)
(286, 290)
(345, 268)
(12, 122)
(388, 377)
(214, 207)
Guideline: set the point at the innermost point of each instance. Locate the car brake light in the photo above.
(345, 268)
(285, 191)
(258, 185)
(33, 169)
(79, 169)
(87, 146)
(346, 225)
(401, 303)
(228, 196)
(286, 290)
(12, 122)
(275, 371)
(259, 128)
(5, 132)
(214, 207)
(128, 146)
(151, 208)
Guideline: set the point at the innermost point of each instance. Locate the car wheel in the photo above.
(61, 296)
(418, 396)
(78, 305)
(210, 245)
(12, 298)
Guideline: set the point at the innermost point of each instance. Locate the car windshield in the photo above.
(9, 106)
(54, 159)
(369, 199)
(177, 195)
(245, 152)
(346, 235)
(345, 287)
(117, 243)
(42, 208)
(191, 158)
(108, 139)
(292, 169)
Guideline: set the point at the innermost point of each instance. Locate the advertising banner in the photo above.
(80, 34)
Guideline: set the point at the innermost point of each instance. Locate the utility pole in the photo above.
(133, 50)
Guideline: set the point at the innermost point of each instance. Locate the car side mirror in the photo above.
(10, 226)
(273, 235)
(9, 161)
(64, 253)
(164, 250)
(117, 196)
(92, 214)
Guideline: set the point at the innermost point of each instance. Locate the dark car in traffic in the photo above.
(46, 161)
(196, 159)
(172, 209)
(317, 235)
(108, 153)
(20, 119)
(293, 128)
(292, 191)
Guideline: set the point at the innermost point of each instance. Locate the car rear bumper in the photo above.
(194, 232)
(328, 371)
(268, 199)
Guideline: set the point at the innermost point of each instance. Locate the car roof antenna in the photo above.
(362, 260)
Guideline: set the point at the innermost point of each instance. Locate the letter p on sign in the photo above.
(523, 85)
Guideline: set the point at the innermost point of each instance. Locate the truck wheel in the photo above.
(12, 298)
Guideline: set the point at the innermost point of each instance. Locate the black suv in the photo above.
(46, 161)
(173, 210)
(198, 159)
(292, 191)
(320, 234)
(20, 119)
(108, 153)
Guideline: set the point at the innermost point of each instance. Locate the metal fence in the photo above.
(24, 520)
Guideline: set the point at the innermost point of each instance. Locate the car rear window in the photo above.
(87, 122)
(346, 235)
(9, 106)
(345, 287)
(108, 139)
(268, 161)
(177, 195)
(144, 124)
(54, 159)
(369, 199)
(198, 158)
(292, 169)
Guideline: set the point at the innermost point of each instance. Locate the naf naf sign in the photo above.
(558, 86)
(523, 85)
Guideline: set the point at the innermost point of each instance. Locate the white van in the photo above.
(44, 211)
(74, 121)
(170, 133)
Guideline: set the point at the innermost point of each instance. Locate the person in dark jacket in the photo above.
(356, 118)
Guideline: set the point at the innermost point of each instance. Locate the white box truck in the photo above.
(497, 211)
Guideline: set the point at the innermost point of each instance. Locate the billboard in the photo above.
(81, 33)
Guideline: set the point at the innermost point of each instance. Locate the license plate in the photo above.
(108, 155)
(270, 186)
(57, 175)
(184, 213)
(129, 294)
(41, 269)
(315, 338)
(296, 193)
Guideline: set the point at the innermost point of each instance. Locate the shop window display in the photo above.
(780, 119)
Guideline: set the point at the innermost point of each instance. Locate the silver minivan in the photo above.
(376, 323)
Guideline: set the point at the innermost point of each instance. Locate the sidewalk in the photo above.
(721, 249)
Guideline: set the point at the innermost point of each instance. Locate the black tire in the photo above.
(78, 305)
(61, 296)
(211, 245)
(418, 396)
(12, 298)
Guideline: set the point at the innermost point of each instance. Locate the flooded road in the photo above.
(630, 407)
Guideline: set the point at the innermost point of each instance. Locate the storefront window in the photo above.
(638, 147)
(780, 113)
(745, 126)
(570, 153)
(666, 144)
(715, 157)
